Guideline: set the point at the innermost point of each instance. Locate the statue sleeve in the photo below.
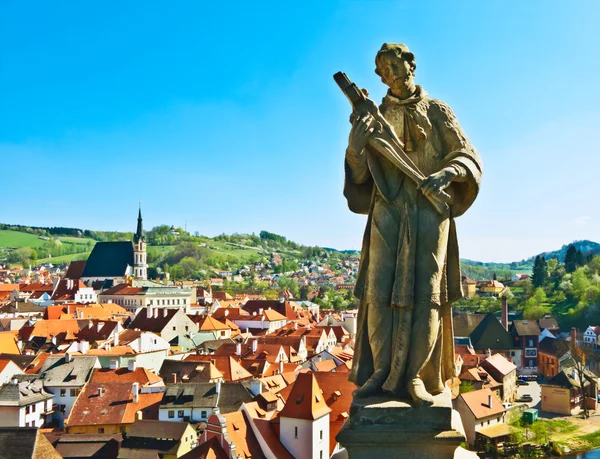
(457, 152)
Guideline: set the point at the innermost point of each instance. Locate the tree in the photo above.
(579, 358)
(580, 258)
(571, 259)
(580, 284)
(540, 274)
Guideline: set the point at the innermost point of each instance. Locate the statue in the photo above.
(412, 170)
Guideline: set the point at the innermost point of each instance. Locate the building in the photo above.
(112, 263)
(562, 393)
(590, 335)
(526, 335)
(469, 287)
(304, 421)
(167, 440)
(196, 402)
(554, 353)
(138, 294)
(504, 372)
(491, 288)
(167, 323)
(8, 369)
(490, 335)
(114, 399)
(26, 443)
(24, 404)
(64, 377)
(479, 409)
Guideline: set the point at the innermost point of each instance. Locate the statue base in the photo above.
(383, 427)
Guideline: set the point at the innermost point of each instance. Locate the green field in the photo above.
(16, 239)
(65, 258)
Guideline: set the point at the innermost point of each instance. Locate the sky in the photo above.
(223, 117)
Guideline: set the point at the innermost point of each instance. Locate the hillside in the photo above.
(168, 247)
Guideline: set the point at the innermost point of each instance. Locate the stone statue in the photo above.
(412, 170)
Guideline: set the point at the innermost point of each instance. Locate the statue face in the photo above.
(395, 72)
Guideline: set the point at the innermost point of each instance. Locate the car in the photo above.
(522, 382)
(525, 398)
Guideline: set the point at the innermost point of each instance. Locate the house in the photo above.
(481, 379)
(195, 402)
(233, 432)
(24, 404)
(8, 369)
(526, 335)
(77, 446)
(167, 323)
(554, 354)
(469, 287)
(267, 320)
(304, 421)
(489, 334)
(464, 323)
(479, 409)
(549, 323)
(114, 399)
(175, 371)
(491, 288)
(64, 377)
(590, 335)
(561, 394)
(209, 328)
(505, 372)
(228, 366)
(137, 294)
(26, 443)
(168, 440)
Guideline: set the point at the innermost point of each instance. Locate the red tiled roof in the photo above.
(305, 400)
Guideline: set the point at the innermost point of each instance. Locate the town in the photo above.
(105, 362)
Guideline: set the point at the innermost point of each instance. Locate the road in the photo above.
(534, 390)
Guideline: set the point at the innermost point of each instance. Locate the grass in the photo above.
(65, 258)
(16, 240)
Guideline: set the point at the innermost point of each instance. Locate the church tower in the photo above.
(140, 267)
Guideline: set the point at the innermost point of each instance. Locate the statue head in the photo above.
(396, 65)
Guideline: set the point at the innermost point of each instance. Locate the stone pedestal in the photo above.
(381, 427)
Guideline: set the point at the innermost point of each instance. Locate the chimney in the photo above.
(138, 415)
(490, 401)
(174, 376)
(260, 311)
(149, 312)
(164, 312)
(573, 336)
(281, 366)
(15, 382)
(135, 387)
(68, 357)
(295, 325)
(131, 365)
(100, 392)
(256, 387)
(238, 349)
(218, 388)
(84, 347)
(254, 346)
(156, 313)
(504, 317)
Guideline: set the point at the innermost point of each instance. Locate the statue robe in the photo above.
(410, 254)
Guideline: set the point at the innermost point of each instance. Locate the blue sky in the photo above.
(224, 115)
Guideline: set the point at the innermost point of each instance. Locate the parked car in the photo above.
(522, 382)
(525, 398)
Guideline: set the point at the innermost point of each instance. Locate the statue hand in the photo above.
(437, 182)
(362, 127)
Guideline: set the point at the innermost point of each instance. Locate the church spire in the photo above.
(139, 234)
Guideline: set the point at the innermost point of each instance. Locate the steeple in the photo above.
(140, 266)
(139, 234)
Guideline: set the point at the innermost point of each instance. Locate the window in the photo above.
(73, 392)
(321, 435)
(100, 429)
(174, 328)
(151, 302)
(203, 414)
(320, 454)
(296, 432)
(171, 414)
(530, 343)
(180, 413)
(63, 392)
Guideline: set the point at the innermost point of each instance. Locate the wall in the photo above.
(300, 446)
(68, 401)
(11, 417)
(556, 400)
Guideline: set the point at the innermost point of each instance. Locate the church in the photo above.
(113, 263)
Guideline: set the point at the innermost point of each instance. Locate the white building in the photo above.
(478, 410)
(590, 335)
(140, 294)
(24, 404)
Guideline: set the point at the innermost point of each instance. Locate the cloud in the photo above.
(580, 221)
